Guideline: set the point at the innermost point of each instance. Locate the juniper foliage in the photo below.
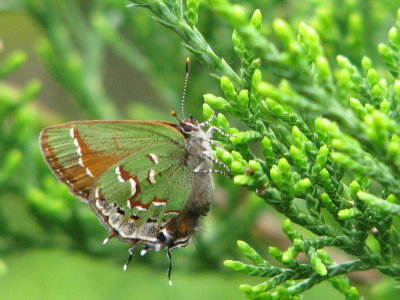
(330, 139)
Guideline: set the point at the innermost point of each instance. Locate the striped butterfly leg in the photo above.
(133, 245)
(200, 169)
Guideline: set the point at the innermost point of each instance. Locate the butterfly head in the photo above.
(189, 126)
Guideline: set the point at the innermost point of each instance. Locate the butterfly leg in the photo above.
(211, 130)
(216, 161)
(213, 143)
(169, 267)
(209, 171)
(111, 235)
(207, 122)
(133, 244)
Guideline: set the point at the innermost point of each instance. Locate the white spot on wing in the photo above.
(117, 171)
(156, 203)
(79, 151)
(154, 158)
(89, 173)
(80, 162)
(133, 186)
(152, 173)
(76, 143)
(139, 208)
(128, 203)
(97, 193)
(71, 133)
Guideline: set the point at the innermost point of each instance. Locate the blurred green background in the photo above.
(75, 60)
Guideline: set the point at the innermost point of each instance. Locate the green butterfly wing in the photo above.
(85, 156)
(147, 189)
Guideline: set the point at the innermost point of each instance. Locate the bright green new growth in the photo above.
(330, 139)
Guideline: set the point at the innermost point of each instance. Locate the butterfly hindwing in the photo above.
(151, 185)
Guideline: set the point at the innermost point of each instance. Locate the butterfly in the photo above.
(148, 182)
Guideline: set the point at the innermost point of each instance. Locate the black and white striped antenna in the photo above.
(184, 87)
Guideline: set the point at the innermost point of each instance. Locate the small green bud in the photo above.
(237, 168)
(267, 146)
(217, 102)
(245, 137)
(283, 31)
(268, 90)
(326, 126)
(223, 122)
(228, 88)
(287, 226)
(282, 293)
(343, 62)
(207, 111)
(244, 98)
(366, 63)
(326, 200)
(276, 175)
(342, 160)
(251, 254)
(301, 186)
(238, 15)
(299, 244)
(318, 266)
(243, 180)
(299, 159)
(385, 107)
(237, 156)
(357, 107)
(373, 77)
(284, 166)
(275, 253)
(310, 39)
(287, 256)
(348, 213)
(376, 91)
(385, 51)
(353, 294)
(275, 107)
(256, 19)
(322, 156)
(343, 76)
(324, 70)
(256, 78)
(394, 36)
(354, 187)
(233, 265)
(246, 289)
(324, 175)
(255, 166)
(339, 144)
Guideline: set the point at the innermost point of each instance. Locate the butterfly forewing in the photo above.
(78, 152)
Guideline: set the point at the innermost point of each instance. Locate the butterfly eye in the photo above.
(187, 127)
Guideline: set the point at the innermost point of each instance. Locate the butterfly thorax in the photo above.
(187, 223)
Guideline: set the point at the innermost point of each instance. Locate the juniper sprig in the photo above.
(330, 138)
